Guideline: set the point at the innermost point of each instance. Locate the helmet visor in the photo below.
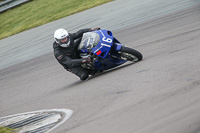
(64, 40)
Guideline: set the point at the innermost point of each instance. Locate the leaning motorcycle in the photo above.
(105, 51)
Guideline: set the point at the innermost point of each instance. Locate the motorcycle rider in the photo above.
(66, 51)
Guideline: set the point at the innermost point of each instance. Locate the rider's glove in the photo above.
(97, 28)
(86, 60)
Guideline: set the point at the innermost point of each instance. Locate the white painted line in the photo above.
(53, 119)
(14, 119)
(67, 113)
(61, 116)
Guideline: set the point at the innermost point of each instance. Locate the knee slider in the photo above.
(84, 76)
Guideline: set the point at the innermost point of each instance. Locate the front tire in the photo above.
(130, 54)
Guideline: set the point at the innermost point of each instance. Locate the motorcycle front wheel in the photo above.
(130, 54)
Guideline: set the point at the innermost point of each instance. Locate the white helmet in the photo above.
(61, 36)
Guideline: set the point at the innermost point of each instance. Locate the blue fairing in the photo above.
(104, 46)
(105, 43)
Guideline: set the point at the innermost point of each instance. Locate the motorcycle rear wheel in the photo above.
(130, 54)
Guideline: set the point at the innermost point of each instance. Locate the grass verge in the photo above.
(5, 130)
(39, 12)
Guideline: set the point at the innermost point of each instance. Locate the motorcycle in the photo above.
(105, 51)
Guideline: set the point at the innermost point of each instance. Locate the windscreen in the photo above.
(89, 40)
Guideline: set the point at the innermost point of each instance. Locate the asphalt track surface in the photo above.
(159, 94)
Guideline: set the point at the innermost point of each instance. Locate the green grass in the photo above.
(39, 12)
(5, 130)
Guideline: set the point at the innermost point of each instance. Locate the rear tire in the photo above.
(130, 54)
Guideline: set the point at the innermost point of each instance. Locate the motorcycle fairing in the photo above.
(103, 47)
